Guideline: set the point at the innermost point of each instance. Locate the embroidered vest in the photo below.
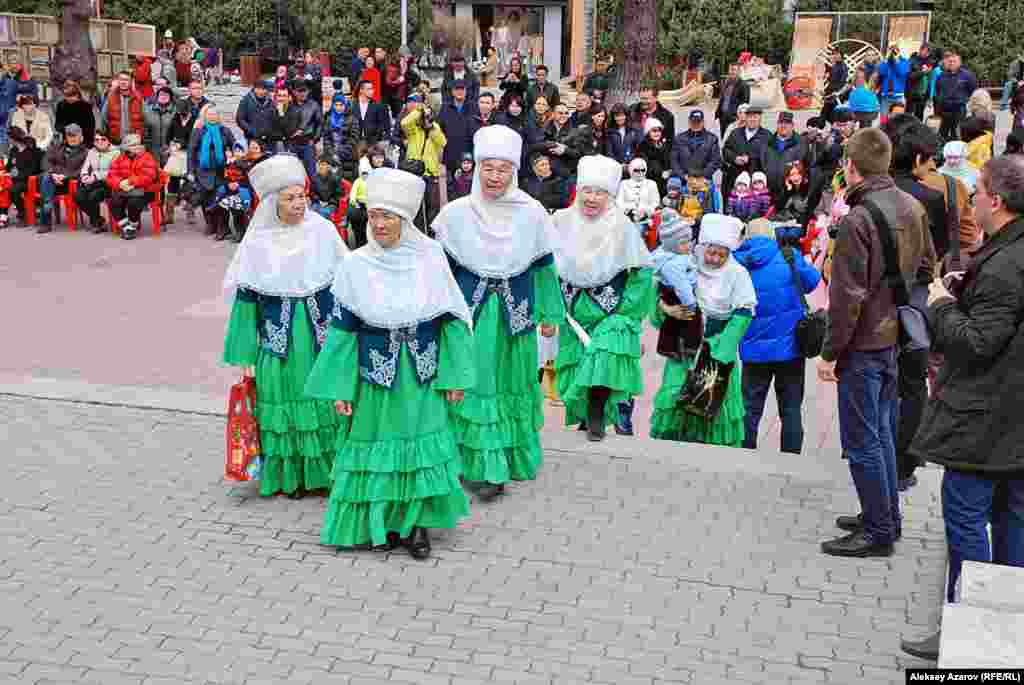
(516, 293)
(607, 296)
(276, 318)
(379, 348)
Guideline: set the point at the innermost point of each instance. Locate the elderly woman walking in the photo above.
(726, 299)
(604, 267)
(280, 283)
(398, 353)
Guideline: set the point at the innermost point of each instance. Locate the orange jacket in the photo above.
(142, 172)
(113, 110)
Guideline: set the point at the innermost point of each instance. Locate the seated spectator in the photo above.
(92, 182)
(547, 187)
(24, 160)
(134, 179)
(35, 123)
(461, 184)
(230, 209)
(64, 162)
(697, 195)
(324, 189)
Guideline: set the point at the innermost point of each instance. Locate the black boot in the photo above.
(418, 543)
(624, 426)
(595, 413)
(850, 523)
(856, 545)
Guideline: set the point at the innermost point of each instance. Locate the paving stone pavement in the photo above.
(126, 559)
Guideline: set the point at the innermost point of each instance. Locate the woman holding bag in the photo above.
(726, 298)
(399, 351)
(279, 282)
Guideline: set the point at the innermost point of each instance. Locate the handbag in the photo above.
(706, 385)
(243, 461)
(910, 306)
(810, 330)
(417, 167)
(177, 164)
(679, 339)
(953, 260)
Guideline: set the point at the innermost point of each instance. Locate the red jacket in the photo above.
(143, 76)
(142, 172)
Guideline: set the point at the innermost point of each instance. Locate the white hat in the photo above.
(598, 171)
(498, 142)
(398, 192)
(760, 176)
(652, 123)
(743, 178)
(719, 229)
(168, 34)
(742, 109)
(277, 173)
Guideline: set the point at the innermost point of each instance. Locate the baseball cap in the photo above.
(459, 83)
(785, 117)
(698, 115)
(675, 183)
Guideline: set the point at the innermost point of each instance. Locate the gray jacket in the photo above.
(156, 130)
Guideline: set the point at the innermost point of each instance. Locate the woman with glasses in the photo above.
(279, 282)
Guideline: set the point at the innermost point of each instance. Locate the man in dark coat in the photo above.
(255, 101)
(972, 426)
(835, 82)
(457, 71)
(370, 119)
(953, 88)
(457, 120)
(782, 149)
(649, 107)
(919, 81)
(541, 87)
(744, 149)
(696, 145)
(735, 92)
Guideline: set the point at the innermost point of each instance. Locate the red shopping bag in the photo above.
(243, 461)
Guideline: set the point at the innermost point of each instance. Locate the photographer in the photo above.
(424, 143)
(892, 79)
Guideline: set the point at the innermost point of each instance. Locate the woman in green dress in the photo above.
(398, 353)
(604, 267)
(497, 241)
(279, 281)
(726, 297)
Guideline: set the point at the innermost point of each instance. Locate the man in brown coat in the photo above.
(864, 332)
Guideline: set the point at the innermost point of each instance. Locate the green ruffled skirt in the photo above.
(497, 425)
(670, 422)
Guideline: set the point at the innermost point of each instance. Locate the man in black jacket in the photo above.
(972, 426)
(545, 186)
(835, 82)
(311, 119)
(457, 71)
(744, 149)
(782, 149)
(371, 119)
(541, 87)
(250, 108)
(919, 81)
(696, 146)
(458, 122)
(735, 92)
(649, 107)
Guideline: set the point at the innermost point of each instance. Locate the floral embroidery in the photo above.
(518, 314)
(384, 366)
(276, 337)
(606, 298)
(569, 293)
(426, 361)
(319, 323)
(478, 295)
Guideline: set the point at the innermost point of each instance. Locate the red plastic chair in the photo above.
(33, 197)
(156, 207)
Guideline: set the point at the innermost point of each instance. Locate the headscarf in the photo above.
(962, 170)
(404, 285)
(213, 141)
(499, 238)
(280, 260)
(722, 291)
(591, 252)
(338, 120)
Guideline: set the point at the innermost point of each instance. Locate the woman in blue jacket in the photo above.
(863, 102)
(769, 350)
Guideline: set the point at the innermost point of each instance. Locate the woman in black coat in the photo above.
(515, 118)
(514, 84)
(658, 153)
(623, 139)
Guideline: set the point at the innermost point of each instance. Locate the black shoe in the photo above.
(595, 414)
(394, 541)
(490, 491)
(927, 648)
(44, 227)
(856, 545)
(582, 426)
(298, 494)
(418, 544)
(850, 523)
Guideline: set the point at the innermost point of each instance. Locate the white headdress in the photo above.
(722, 291)
(499, 238)
(402, 285)
(591, 252)
(278, 259)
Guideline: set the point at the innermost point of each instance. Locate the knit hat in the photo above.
(759, 176)
(675, 183)
(652, 124)
(743, 178)
(673, 231)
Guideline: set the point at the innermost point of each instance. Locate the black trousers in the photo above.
(913, 394)
(18, 189)
(723, 126)
(916, 107)
(950, 128)
(430, 208)
(123, 204)
(90, 197)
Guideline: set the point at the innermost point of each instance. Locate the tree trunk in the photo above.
(639, 47)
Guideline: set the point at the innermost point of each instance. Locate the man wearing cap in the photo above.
(744, 148)
(696, 146)
(134, 178)
(457, 71)
(497, 241)
(735, 93)
(458, 122)
(250, 109)
(168, 42)
(64, 161)
(826, 164)
(783, 148)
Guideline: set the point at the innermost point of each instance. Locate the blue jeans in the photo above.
(789, 393)
(307, 153)
(1004, 101)
(323, 210)
(4, 116)
(969, 502)
(867, 431)
(48, 188)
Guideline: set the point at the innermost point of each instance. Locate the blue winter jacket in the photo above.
(863, 100)
(892, 77)
(11, 88)
(771, 336)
